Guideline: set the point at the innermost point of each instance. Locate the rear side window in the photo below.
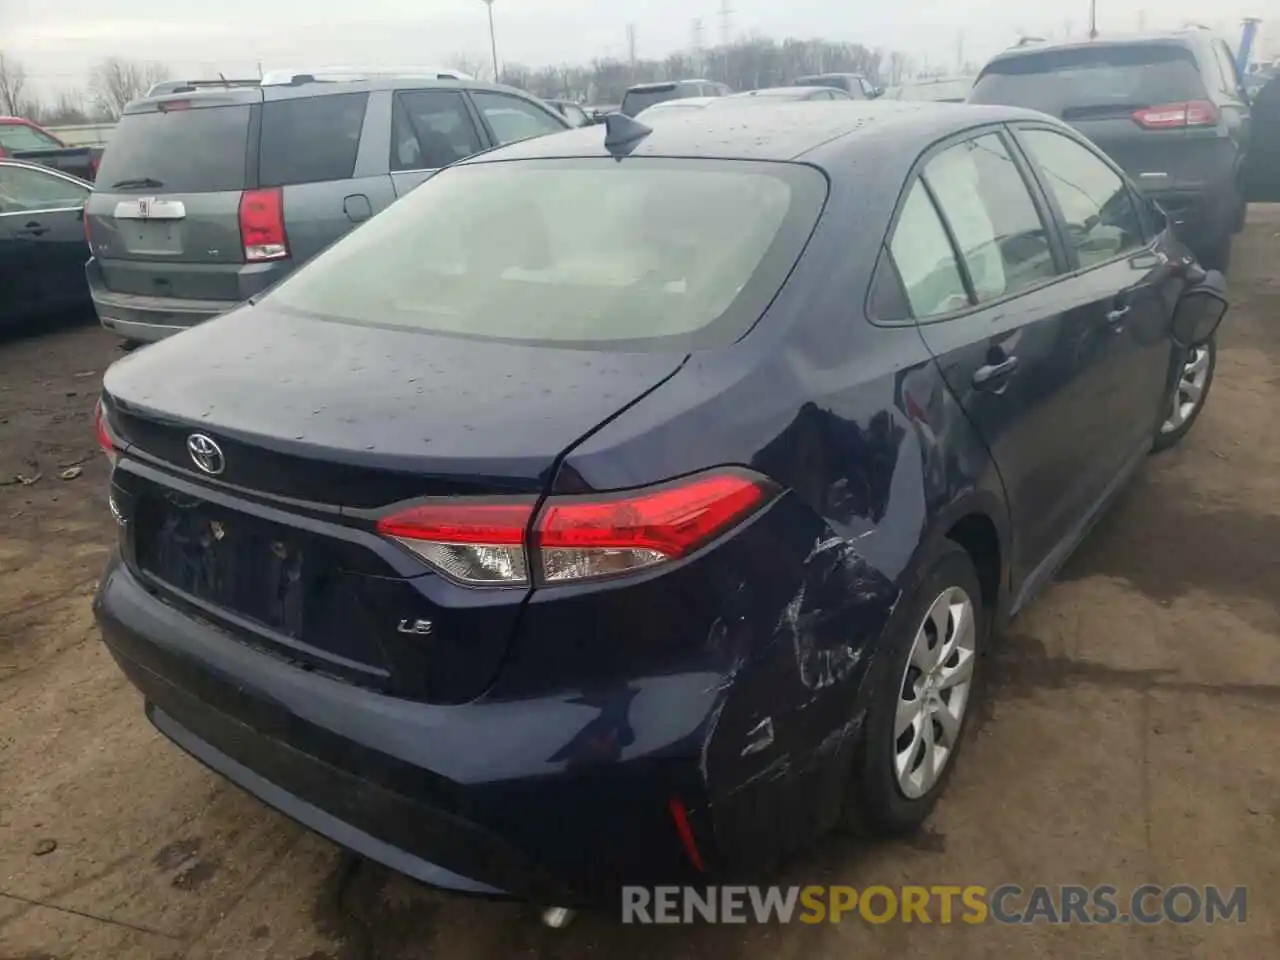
(23, 189)
(19, 136)
(925, 259)
(1081, 82)
(1102, 218)
(668, 254)
(310, 140)
(196, 150)
(431, 129)
(992, 216)
(512, 119)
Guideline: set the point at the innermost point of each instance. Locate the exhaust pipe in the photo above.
(557, 918)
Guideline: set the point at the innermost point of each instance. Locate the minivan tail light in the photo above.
(1191, 113)
(262, 225)
(575, 538)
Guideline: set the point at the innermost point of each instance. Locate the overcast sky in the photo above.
(57, 40)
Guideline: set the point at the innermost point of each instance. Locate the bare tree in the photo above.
(114, 82)
(13, 80)
(468, 63)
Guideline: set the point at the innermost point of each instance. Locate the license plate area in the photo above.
(285, 580)
(151, 237)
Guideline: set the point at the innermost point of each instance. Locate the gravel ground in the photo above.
(1130, 735)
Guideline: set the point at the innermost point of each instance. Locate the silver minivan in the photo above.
(206, 196)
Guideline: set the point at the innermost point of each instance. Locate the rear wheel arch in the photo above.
(978, 523)
(976, 533)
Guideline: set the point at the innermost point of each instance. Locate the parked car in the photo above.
(644, 95)
(42, 247)
(793, 94)
(682, 105)
(574, 113)
(643, 540)
(1168, 108)
(940, 90)
(854, 84)
(206, 197)
(23, 140)
(1261, 175)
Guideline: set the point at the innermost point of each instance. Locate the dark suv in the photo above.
(1168, 108)
(207, 196)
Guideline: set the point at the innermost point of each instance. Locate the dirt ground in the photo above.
(1132, 736)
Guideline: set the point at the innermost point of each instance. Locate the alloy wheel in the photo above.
(935, 692)
(1189, 393)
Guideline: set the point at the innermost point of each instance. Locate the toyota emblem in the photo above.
(206, 454)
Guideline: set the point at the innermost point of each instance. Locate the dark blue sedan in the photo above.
(535, 545)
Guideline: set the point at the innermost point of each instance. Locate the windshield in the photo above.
(636, 100)
(198, 150)
(669, 254)
(1071, 81)
(19, 136)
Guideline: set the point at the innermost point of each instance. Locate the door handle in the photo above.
(1115, 318)
(32, 229)
(994, 374)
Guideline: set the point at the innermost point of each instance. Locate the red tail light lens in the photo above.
(262, 225)
(475, 543)
(1192, 113)
(577, 538)
(107, 445)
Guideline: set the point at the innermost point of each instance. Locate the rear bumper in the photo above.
(147, 319)
(476, 798)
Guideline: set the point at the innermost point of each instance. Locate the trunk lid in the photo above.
(165, 212)
(321, 426)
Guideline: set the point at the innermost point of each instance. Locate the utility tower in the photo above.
(726, 23)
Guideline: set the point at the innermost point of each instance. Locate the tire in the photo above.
(1178, 421)
(877, 803)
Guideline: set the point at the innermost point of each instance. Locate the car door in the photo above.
(430, 129)
(983, 268)
(509, 118)
(1120, 271)
(42, 216)
(1261, 173)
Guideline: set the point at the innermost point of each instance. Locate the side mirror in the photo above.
(877, 93)
(1200, 310)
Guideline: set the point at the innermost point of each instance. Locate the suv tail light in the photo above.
(262, 225)
(574, 538)
(1191, 113)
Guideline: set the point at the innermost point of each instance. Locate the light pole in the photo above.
(1093, 19)
(493, 40)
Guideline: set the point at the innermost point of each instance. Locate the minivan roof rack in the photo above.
(346, 74)
(187, 86)
(1027, 41)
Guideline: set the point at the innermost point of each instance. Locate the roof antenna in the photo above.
(622, 134)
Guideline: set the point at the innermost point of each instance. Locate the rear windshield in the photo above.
(670, 254)
(636, 100)
(1074, 82)
(199, 150)
(834, 81)
(18, 136)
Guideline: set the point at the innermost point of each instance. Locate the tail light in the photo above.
(3, 153)
(103, 432)
(262, 225)
(1192, 113)
(575, 538)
